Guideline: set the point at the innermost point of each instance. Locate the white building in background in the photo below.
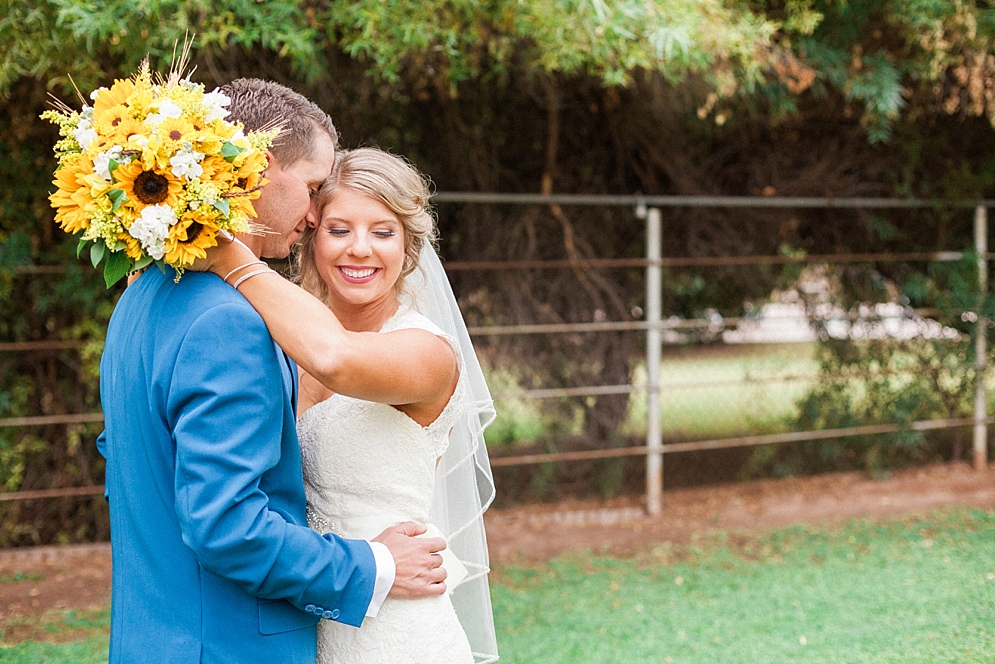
(783, 319)
(786, 322)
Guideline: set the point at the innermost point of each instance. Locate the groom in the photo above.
(213, 559)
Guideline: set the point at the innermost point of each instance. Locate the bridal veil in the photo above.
(464, 483)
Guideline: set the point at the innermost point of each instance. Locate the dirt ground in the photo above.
(36, 582)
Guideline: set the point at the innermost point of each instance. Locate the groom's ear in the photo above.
(271, 160)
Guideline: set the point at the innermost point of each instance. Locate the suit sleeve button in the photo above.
(335, 613)
(309, 608)
(327, 615)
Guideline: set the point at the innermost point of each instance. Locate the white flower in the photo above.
(84, 133)
(167, 109)
(152, 229)
(186, 163)
(214, 103)
(102, 162)
(96, 93)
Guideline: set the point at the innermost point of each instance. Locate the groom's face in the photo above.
(285, 202)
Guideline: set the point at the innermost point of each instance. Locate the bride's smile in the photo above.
(359, 253)
(358, 275)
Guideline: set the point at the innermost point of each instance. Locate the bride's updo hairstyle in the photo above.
(383, 177)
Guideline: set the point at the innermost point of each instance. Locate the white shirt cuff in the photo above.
(385, 577)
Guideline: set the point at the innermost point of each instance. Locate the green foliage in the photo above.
(876, 55)
(891, 380)
(665, 97)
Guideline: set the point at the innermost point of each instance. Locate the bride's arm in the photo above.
(403, 367)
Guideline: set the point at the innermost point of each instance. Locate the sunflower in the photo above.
(147, 170)
(117, 95)
(218, 170)
(174, 131)
(189, 239)
(132, 247)
(241, 200)
(115, 125)
(72, 195)
(128, 130)
(148, 187)
(248, 172)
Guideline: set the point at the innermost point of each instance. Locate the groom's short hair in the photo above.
(260, 104)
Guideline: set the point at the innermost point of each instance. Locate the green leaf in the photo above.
(142, 262)
(118, 265)
(223, 205)
(81, 246)
(97, 252)
(117, 197)
(229, 151)
(111, 165)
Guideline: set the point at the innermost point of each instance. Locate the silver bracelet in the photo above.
(249, 276)
(241, 267)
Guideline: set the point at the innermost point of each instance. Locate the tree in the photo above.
(802, 97)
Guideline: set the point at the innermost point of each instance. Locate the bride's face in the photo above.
(359, 250)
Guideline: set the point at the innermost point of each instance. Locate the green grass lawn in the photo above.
(909, 590)
(81, 637)
(92, 650)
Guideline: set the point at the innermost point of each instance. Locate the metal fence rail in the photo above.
(648, 209)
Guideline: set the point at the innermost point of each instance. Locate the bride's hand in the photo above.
(229, 254)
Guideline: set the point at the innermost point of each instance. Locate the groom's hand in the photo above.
(419, 571)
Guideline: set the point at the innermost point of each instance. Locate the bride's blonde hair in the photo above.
(383, 177)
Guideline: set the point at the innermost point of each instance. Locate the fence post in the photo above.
(654, 438)
(981, 342)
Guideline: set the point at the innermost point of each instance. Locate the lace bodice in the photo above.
(367, 465)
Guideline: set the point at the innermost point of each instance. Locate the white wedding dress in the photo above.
(368, 466)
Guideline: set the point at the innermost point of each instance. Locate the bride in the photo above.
(392, 401)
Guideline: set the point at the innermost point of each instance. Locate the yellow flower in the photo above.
(250, 162)
(208, 142)
(219, 171)
(72, 195)
(148, 186)
(117, 95)
(116, 125)
(173, 131)
(190, 239)
(108, 119)
(243, 201)
(132, 247)
(150, 127)
(140, 100)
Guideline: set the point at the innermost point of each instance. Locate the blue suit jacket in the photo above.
(213, 560)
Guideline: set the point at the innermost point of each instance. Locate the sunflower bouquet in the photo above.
(152, 172)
